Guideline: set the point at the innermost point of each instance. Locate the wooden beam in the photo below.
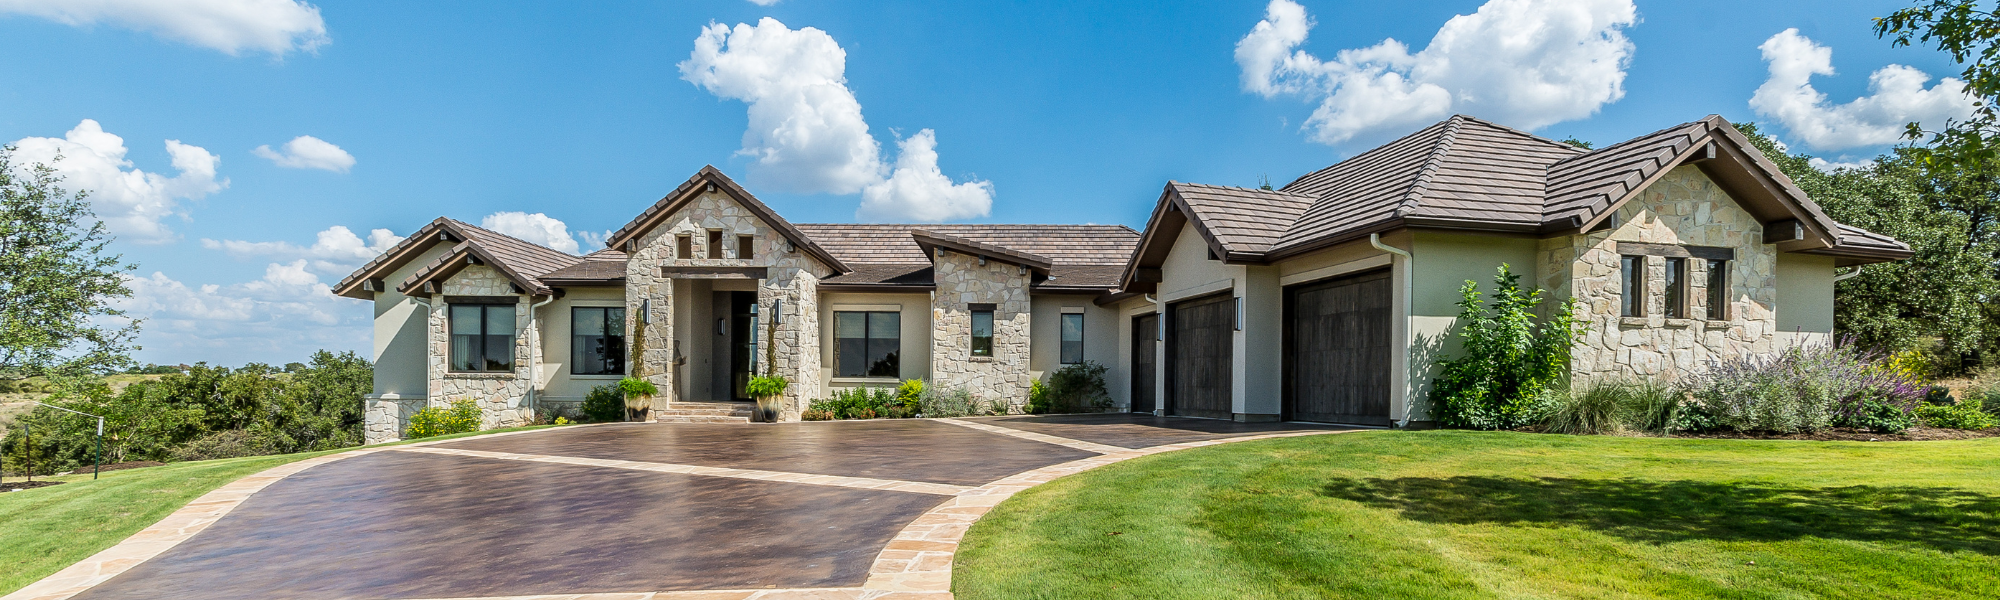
(1788, 230)
(1149, 275)
(715, 272)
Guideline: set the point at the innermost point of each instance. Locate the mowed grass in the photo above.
(43, 530)
(1453, 514)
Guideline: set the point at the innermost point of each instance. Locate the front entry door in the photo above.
(742, 343)
(1145, 354)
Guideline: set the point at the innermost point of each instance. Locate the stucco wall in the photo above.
(914, 323)
(558, 385)
(1805, 299)
(961, 281)
(1100, 334)
(402, 335)
(792, 276)
(1444, 262)
(1683, 208)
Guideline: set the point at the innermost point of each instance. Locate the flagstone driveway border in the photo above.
(184, 524)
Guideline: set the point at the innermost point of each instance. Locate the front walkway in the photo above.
(857, 509)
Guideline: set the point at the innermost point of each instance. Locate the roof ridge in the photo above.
(1522, 133)
(1631, 140)
(1367, 152)
(1421, 183)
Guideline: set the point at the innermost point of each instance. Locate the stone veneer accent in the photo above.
(962, 281)
(385, 418)
(1684, 207)
(502, 397)
(793, 276)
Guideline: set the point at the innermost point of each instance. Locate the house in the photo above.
(1330, 299)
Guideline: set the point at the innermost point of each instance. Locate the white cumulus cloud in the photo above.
(1897, 97)
(763, 2)
(806, 130)
(232, 26)
(281, 317)
(918, 191)
(308, 152)
(592, 241)
(536, 228)
(131, 202)
(1525, 63)
(335, 251)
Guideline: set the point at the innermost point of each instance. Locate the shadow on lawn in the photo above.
(1665, 511)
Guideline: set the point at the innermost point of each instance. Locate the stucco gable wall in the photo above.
(1686, 208)
(402, 369)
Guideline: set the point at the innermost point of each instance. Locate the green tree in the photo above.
(1942, 299)
(1970, 33)
(57, 282)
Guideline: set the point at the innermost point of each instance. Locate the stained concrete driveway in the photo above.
(622, 508)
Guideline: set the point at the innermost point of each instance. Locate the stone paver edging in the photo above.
(181, 525)
(1039, 437)
(866, 483)
(917, 562)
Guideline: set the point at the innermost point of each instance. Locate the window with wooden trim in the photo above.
(746, 247)
(482, 338)
(982, 330)
(597, 340)
(1072, 338)
(1677, 288)
(1718, 290)
(867, 343)
(1632, 286)
(683, 246)
(715, 243)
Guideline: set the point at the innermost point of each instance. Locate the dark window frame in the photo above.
(684, 246)
(1718, 290)
(891, 363)
(746, 247)
(608, 343)
(714, 243)
(1677, 288)
(483, 342)
(982, 345)
(1064, 349)
(1632, 285)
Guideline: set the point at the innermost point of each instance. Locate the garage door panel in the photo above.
(1201, 336)
(1337, 350)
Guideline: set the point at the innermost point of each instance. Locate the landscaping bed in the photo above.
(16, 486)
(1849, 434)
(1461, 514)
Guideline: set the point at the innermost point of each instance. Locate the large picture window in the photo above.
(482, 338)
(1072, 338)
(1632, 276)
(982, 330)
(867, 344)
(597, 340)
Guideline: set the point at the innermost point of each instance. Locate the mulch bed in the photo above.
(26, 485)
(1844, 434)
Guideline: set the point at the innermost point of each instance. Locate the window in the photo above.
(1632, 274)
(597, 340)
(1677, 284)
(482, 337)
(982, 330)
(684, 247)
(866, 344)
(1072, 338)
(714, 243)
(1718, 290)
(746, 247)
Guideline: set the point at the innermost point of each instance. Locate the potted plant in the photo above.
(767, 390)
(638, 396)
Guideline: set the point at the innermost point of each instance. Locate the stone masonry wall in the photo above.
(502, 397)
(1684, 207)
(386, 418)
(792, 275)
(962, 281)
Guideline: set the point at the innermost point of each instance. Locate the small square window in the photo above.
(982, 330)
(684, 246)
(746, 247)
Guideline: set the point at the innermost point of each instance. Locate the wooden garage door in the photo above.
(1145, 353)
(1337, 343)
(1200, 334)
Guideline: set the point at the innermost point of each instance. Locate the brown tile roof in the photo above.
(522, 261)
(928, 239)
(605, 266)
(1860, 246)
(1246, 221)
(1584, 186)
(1081, 257)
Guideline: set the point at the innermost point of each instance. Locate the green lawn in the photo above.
(45, 529)
(1453, 514)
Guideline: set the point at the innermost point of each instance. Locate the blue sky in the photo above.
(1040, 111)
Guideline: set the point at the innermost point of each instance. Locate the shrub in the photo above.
(1038, 398)
(1074, 388)
(955, 402)
(1608, 406)
(604, 404)
(231, 443)
(638, 396)
(1956, 416)
(1805, 388)
(461, 417)
(1881, 416)
(1510, 360)
(766, 386)
(908, 393)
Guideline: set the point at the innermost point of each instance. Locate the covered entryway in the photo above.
(1337, 344)
(1200, 340)
(1145, 358)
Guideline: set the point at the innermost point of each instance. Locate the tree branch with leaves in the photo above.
(57, 280)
